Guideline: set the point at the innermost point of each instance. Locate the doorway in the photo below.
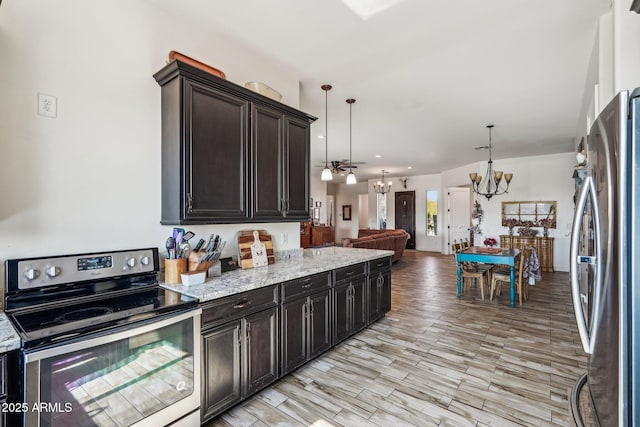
(405, 208)
(459, 214)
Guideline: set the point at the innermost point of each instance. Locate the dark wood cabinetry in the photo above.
(280, 145)
(252, 338)
(240, 348)
(229, 155)
(306, 319)
(349, 299)
(379, 289)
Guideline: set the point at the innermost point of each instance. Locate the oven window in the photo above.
(119, 383)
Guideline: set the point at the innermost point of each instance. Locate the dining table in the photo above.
(489, 255)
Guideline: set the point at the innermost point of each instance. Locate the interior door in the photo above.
(459, 214)
(405, 206)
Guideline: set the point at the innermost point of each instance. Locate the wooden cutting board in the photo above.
(245, 242)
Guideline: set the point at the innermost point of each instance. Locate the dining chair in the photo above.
(473, 271)
(501, 275)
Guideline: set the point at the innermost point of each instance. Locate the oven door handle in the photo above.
(116, 334)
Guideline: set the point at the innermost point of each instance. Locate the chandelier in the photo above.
(492, 184)
(380, 187)
(326, 172)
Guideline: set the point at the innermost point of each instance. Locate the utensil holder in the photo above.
(173, 268)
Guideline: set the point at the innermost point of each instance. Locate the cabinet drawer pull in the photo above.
(306, 286)
(242, 304)
(350, 273)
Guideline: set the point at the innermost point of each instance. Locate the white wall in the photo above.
(90, 179)
(626, 35)
(348, 195)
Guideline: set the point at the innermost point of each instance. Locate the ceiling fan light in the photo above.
(351, 178)
(326, 174)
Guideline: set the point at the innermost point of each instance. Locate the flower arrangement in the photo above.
(546, 224)
(511, 222)
(490, 241)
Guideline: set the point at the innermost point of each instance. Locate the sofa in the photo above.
(392, 240)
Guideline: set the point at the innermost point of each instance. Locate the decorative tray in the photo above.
(489, 250)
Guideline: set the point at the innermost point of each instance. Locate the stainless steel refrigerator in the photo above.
(605, 262)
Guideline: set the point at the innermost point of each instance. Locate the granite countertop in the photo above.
(313, 261)
(9, 339)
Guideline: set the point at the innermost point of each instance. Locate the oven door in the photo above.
(146, 375)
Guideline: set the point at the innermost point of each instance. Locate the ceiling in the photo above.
(427, 76)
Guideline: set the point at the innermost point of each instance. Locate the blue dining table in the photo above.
(489, 256)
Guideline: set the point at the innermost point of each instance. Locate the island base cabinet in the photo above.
(305, 329)
(379, 287)
(239, 358)
(350, 314)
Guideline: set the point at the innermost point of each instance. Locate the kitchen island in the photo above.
(260, 324)
(315, 260)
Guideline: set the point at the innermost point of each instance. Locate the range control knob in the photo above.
(144, 260)
(31, 273)
(131, 262)
(52, 271)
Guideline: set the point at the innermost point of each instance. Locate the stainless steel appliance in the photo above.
(102, 343)
(605, 278)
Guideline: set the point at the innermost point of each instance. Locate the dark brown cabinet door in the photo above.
(359, 301)
(204, 155)
(379, 284)
(280, 147)
(319, 331)
(261, 351)
(216, 154)
(294, 326)
(296, 174)
(221, 374)
(341, 312)
(305, 329)
(267, 145)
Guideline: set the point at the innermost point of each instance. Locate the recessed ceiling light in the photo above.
(378, 155)
(341, 174)
(320, 136)
(410, 167)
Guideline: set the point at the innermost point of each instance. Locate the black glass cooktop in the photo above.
(51, 323)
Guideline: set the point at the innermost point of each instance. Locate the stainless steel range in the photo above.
(102, 343)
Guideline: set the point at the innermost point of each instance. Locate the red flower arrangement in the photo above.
(490, 241)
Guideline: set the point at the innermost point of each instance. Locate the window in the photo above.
(432, 213)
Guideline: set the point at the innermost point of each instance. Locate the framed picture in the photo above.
(318, 204)
(346, 212)
(316, 213)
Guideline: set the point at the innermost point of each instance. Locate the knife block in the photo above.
(196, 265)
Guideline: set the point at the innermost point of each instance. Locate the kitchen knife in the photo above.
(199, 245)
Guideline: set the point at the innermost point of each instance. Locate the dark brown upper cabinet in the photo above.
(229, 155)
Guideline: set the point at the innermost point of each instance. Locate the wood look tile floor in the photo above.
(436, 360)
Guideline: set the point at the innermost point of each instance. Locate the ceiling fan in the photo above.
(338, 166)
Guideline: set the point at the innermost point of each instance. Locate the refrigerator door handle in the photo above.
(575, 260)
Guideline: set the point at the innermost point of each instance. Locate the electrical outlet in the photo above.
(47, 105)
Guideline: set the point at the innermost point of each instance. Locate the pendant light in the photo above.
(351, 178)
(492, 184)
(326, 172)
